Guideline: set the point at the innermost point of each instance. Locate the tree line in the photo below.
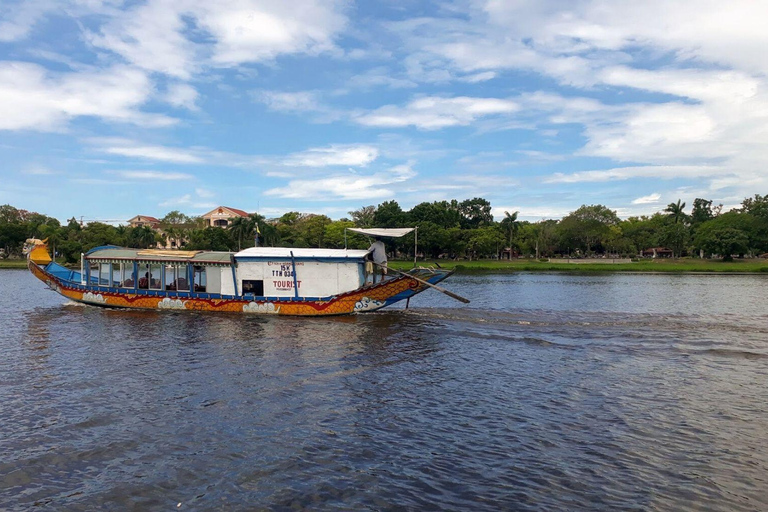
(452, 229)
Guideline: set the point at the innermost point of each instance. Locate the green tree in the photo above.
(311, 229)
(475, 213)
(389, 215)
(210, 239)
(723, 241)
(675, 237)
(756, 206)
(587, 228)
(676, 211)
(365, 217)
(701, 212)
(485, 241)
(142, 237)
(441, 213)
(433, 239)
(334, 235)
(240, 228)
(510, 225)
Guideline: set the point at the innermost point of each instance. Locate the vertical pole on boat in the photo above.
(234, 272)
(295, 283)
(82, 270)
(415, 245)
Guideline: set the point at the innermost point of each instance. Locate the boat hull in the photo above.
(363, 300)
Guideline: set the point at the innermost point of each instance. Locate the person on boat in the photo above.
(379, 256)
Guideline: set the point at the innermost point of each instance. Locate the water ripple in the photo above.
(621, 401)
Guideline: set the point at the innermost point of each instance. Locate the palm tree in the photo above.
(510, 225)
(240, 227)
(142, 237)
(675, 211)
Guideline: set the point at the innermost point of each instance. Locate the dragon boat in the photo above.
(268, 280)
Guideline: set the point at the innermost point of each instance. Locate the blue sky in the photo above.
(112, 108)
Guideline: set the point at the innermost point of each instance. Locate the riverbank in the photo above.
(13, 263)
(683, 265)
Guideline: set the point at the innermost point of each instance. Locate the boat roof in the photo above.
(122, 253)
(112, 252)
(385, 232)
(302, 253)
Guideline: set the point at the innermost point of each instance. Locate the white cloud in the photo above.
(479, 77)
(380, 76)
(153, 175)
(649, 199)
(182, 96)
(433, 112)
(625, 173)
(708, 101)
(347, 155)
(17, 21)
(37, 170)
(33, 98)
(301, 101)
(201, 192)
(530, 213)
(346, 186)
(158, 35)
(150, 36)
(133, 149)
(184, 200)
(258, 30)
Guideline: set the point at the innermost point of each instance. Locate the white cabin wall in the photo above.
(314, 278)
(225, 278)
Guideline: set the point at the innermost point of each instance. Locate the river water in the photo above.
(548, 392)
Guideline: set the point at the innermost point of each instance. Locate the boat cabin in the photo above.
(257, 271)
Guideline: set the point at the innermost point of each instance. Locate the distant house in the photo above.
(144, 220)
(220, 216)
(657, 252)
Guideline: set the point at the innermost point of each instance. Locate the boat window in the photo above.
(93, 272)
(143, 276)
(104, 271)
(182, 278)
(118, 274)
(200, 279)
(255, 287)
(129, 278)
(176, 278)
(155, 276)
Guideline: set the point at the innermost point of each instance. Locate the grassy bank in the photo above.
(13, 263)
(650, 265)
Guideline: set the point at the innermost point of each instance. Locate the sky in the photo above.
(110, 108)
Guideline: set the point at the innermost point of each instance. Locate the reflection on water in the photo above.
(548, 392)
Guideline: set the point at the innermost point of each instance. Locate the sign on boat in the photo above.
(270, 280)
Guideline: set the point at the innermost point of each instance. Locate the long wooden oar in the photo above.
(438, 288)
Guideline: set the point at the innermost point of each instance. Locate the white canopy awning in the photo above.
(385, 232)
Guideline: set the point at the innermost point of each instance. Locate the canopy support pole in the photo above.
(295, 283)
(234, 272)
(415, 245)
